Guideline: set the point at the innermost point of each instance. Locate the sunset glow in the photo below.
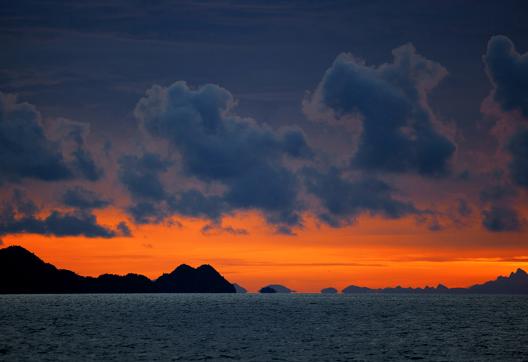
(136, 140)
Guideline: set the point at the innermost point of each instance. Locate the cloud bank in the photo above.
(22, 215)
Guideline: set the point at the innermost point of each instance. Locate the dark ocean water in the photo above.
(263, 327)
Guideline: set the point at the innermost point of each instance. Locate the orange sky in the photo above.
(373, 252)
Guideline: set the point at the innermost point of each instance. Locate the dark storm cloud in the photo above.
(194, 203)
(294, 143)
(92, 59)
(268, 187)
(216, 145)
(508, 71)
(501, 219)
(25, 150)
(246, 158)
(147, 212)
(81, 198)
(500, 213)
(85, 165)
(19, 215)
(498, 193)
(344, 200)
(398, 132)
(518, 148)
(141, 175)
(83, 162)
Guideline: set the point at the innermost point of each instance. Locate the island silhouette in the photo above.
(275, 288)
(515, 283)
(21, 271)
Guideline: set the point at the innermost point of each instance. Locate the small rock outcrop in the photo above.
(279, 288)
(329, 291)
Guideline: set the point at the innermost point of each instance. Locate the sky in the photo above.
(306, 143)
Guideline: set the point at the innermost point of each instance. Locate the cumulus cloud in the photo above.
(345, 199)
(21, 215)
(398, 132)
(83, 163)
(141, 175)
(217, 146)
(508, 71)
(27, 151)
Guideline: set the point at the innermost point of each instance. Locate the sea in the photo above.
(263, 327)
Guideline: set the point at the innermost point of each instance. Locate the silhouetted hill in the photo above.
(267, 290)
(516, 283)
(355, 289)
(184, 279)
(130, 283)
(23, 272)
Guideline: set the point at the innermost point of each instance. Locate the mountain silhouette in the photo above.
(185, 279)
(267, 290)
(23, 272)
(329, 291)
(515, 283)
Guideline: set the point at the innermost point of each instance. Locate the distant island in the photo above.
(23, 272)
(275, 288)
(515, 283)
(329, 290)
